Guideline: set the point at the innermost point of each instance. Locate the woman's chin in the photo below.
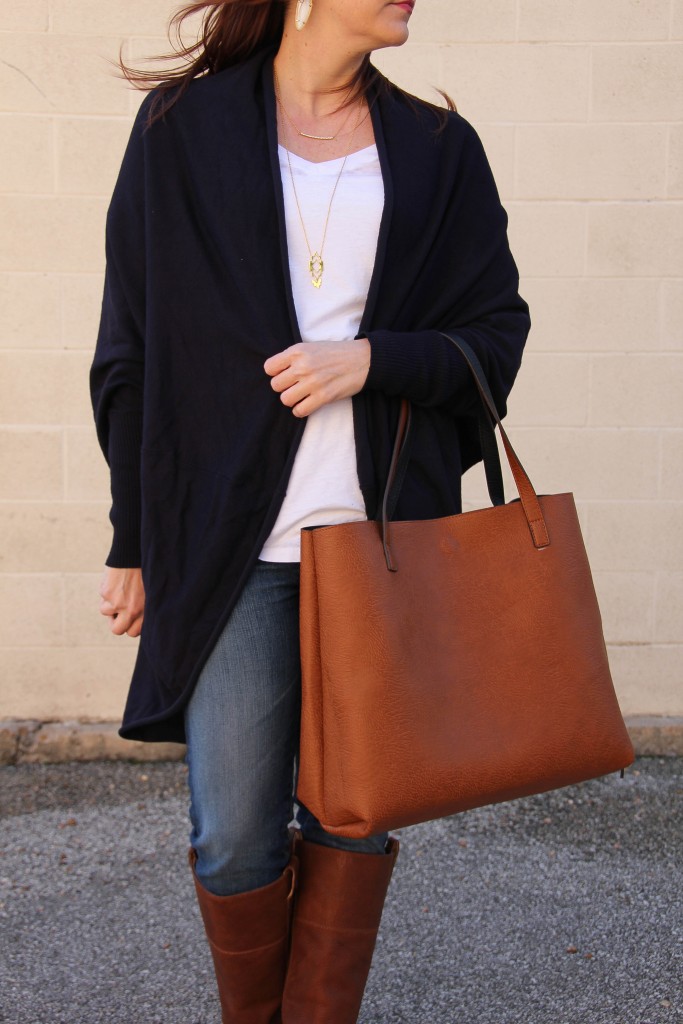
(396, 37)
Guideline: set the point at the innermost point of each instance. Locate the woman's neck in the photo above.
(312, 72)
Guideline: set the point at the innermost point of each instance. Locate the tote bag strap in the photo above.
(401, 457)
(488, 418)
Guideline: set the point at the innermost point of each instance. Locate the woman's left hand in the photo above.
(313, 373)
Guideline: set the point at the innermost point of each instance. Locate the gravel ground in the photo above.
(565, 908)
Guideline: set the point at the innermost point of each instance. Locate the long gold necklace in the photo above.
(315, 262)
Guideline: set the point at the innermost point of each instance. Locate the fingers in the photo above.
(122, 620)
(308, 405)
(282, 360)
(107, 608)
(125, 622)
(312, 374)
(284, 380)
(122, 597)
(135, 627)
(303, 400)
(301, 385)
(288, 371)
(298, 398)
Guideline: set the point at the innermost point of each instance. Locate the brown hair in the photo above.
(231, 31)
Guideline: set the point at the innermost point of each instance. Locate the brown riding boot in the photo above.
(338, 907)
(249, 938)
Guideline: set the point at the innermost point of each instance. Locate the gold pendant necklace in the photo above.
(316, 265)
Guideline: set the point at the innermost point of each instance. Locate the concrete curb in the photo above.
(656, 736)
(35, 742)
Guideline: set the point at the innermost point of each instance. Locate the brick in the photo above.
(671, 487)
(31, 610)
(89, 153)
(465, 21)
(593, 314)
(588, 161)
(125, 17)
(55, 74)
(81, 296)
(29, 310)
(136, 96)
(627, 605)
(636, 390)
(31, 464)
(591, 463)
(87, 475)
(32, 387)
(60, 233)
(618, 20)
(26, 144)
(499, 143)
(647, 678)
(675, 166)
(45, 387)
(141, 49)
(668, 605)
(551, 390)
(637, 83)
(671, 315)
(77, 405)
(86, 535)
(582, 508)
(64, 682)
(84, 626)
(524, 82)
(548, 239)
(143, 52)
(643, 240)
(51, 537)
(416, 69)
(24, 16)
(635, 536)
(677, 19)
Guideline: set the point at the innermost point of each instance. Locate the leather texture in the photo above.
(338, 908)
(249, 938)
(451, 663)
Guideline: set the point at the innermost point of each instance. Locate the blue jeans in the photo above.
(242, 726)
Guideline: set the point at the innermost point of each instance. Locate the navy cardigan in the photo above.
(197, 296)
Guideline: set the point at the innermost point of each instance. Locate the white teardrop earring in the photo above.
(303, 12)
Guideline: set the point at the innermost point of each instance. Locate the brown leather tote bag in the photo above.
(451, 663)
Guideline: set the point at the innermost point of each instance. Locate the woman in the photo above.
(288, 233)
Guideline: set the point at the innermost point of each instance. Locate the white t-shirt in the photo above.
(323, 488)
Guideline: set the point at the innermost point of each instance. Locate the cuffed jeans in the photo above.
(242, 727)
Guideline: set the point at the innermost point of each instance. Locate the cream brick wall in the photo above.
(579, 106)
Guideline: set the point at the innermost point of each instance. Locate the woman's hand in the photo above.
(313, 373)
(123, 600)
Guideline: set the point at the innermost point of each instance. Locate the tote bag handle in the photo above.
(488, 418)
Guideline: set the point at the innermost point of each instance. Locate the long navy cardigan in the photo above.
(197, 295)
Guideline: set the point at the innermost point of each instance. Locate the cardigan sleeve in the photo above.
(116, 376)
(424, 367)
(484, 307)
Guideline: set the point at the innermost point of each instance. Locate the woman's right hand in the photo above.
(123, 600)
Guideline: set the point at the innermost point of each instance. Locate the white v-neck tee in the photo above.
(323, 487)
